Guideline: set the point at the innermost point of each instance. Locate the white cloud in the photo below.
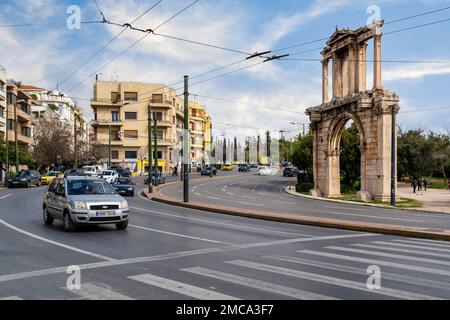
(415, 71)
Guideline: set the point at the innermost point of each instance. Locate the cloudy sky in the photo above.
(48, 52)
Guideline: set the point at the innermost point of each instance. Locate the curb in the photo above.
(374, 205)
(307, 220)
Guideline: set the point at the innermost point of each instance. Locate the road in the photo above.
(176, 253)
(263, 193)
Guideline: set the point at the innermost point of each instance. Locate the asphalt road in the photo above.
(175, 253)
(264, 193)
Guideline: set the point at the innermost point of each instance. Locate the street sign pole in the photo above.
(155, 122)
(150, 152)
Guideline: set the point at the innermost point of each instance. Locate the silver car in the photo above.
(84, 201)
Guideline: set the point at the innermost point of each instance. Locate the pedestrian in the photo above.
(425, 183)
(419, 184)
(175, 171)
(414, 184)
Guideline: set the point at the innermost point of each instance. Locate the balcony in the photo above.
(107, 123)
(163, 124)
(159, 103)
(23, 116)
(100, 102)
(2, 94)
(23, 140)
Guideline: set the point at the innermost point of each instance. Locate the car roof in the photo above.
(72, 178)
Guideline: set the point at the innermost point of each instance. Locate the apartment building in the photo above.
(200, 130)
(19, 117)
(121, 120)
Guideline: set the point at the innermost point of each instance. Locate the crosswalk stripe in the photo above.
(377, 262)
(181, 288)
(390, 255)
(259, 284)
(436, 242)
(362, 271)
(421, 242)
(11, 298)
(91, 291)
(411, 246)
(332, 280)
(432, 254)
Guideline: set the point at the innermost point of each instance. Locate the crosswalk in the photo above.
(411, 269)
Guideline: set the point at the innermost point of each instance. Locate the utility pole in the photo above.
(186, 149)
(393, 156)
(109, 150)
(150, 152)
(75, 164)
(155, 123)
(15, 138)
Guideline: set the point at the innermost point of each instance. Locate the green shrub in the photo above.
(304, 187)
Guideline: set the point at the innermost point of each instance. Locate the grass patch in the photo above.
(402, 203)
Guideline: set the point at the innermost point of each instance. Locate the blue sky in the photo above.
(43, 55)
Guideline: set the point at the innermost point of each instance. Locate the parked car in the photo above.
(93, 171)
(109, 175)
(207, 171)
(253, 166)
(244, 168)
(125, 173)
(227, 167)
(161, 178)
(85, 200)
(262, 168)
(48, 178)
(74, 172)
(25, 178)
(124, 186)
(290, 171)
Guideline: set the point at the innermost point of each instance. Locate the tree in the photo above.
(52, 142)
(350, 157)
(98, 151)
(302, 153)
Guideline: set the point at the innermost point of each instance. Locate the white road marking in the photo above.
(331, 280)
(431, 254)
(6, 196)
(411, 246)
(362, 271)
(11, 298)
(341, 208)
(259, 284)
(178, 235)
(213, 198)
(181, 288)
(421, 242)
(198, 194)
(229, 193)
(370, 216)
(408, 267)
(91, 291)
(233, 226)
(247, 197)
(390, 255)
(65, 246)
(252, 203)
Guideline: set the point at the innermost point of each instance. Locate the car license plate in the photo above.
(15, 182)
(105, 213)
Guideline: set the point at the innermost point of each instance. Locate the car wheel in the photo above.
(132, 194)
(69, 226)
(48, 220)
(122, 225)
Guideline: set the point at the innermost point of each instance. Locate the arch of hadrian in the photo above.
(371, 110)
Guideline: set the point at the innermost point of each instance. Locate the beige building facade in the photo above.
(121, 112)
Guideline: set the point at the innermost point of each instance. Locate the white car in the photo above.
(110, 175)
(262, 169)
(93, 171)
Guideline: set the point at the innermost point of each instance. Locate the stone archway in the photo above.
(371, 111)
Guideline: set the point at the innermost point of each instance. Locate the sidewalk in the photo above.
(435, 200)
(311, 220)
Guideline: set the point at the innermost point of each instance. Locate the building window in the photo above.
(194, 113)
(160, 155)
(157, 98)
(25, 131)
(130, 115)
(130, 154)
(115, 97)
(115, 116)
(115, 135)
(11, 124)
(95, 116)
(2, 112)
(131, 134)
(12, 98)
(115, 155)
(160, 135)
(159, 116)
(130, 96)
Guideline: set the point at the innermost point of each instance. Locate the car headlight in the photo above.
(130, 189)
(124, 204)
(23, 179)
(80, 205)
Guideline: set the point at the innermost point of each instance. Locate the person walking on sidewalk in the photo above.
(425, 183)
(414, 184)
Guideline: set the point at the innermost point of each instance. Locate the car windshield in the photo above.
(123, 181)
(24, 174)
(88, 169)
(88, 187)
(107, 173)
